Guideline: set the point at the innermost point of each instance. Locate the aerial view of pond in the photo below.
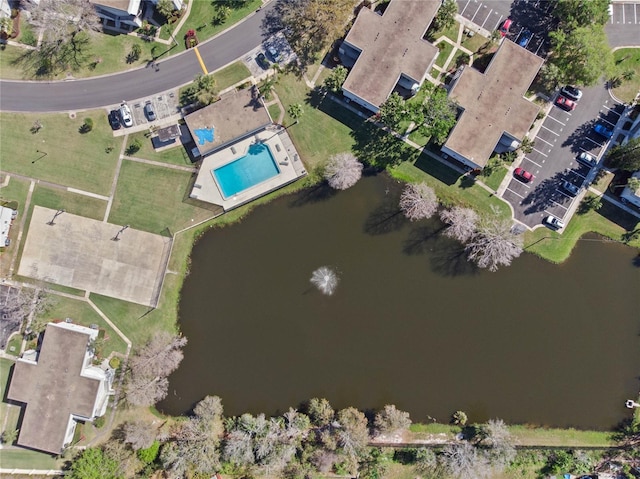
(410, 323)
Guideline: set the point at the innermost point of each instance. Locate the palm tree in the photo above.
(295, 111)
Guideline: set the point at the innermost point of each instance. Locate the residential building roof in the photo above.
(130, 6)
(236, 115)
(494, 103)
(54, 388)
(390, 45)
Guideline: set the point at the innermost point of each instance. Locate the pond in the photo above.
(411, 322)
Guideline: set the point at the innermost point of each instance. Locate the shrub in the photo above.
(99, 422)
(114, 362)
(150, 454)
(134, 147)
(87, 126)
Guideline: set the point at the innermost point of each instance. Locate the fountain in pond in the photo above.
(325, 279)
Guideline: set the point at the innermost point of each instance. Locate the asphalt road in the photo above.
(562, 137)
(623, 28)
(175, 71)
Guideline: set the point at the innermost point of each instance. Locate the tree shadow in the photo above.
(580, 139)
(422, 238)
(546, 194)
(386, 218)
(449, 259)
(320, 192)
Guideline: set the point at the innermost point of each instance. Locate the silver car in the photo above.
(553, 222)
(125, 115)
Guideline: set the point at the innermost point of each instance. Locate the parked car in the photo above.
(114, 120)
(262, 61)
(523, 175)
(565, 103)
(603, 130)
(588, 159)
(524, 38)
(125, 115)
(571, 92)
(504, 29)
(274, 53)
(553, 222)
(570, 188)
(149, 112)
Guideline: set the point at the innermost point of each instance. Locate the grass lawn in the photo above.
(234, 73)
(82, 313)
(174, 156)
(201, 16)
(59, 153)
(9, 68)
(454, 60)
(5, 367)
(527, 436)
(451, 32)
(627, 59)
(445, 49)
(16, 343)
(608, 221)
(274, 111)
(26, 459)
(603, 179)
(13, 195)
(473, 43)
(153, 198)
(73, 203)
(496, 177)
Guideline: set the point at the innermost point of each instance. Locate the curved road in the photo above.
(72, 95)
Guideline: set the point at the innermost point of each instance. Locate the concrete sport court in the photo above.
(81, 253)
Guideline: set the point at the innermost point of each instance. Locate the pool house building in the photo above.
(244, 154)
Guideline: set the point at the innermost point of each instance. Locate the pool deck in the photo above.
(284, 153)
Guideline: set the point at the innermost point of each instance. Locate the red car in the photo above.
(504, 29)
(565, 103)
(522, 175)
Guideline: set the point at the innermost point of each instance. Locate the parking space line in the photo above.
(607, 121)
(519, 196)
(558, 204)
(635, 13)
(538, 138)
(543, 154)
(499, 20)
(622, 13)
(611, 109)
(474, 15)
(529, 159)
(542, 126)
(563, 124)
(465, 7)
(485, 20)
(594, 141)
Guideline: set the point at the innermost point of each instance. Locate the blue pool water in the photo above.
(255, 167)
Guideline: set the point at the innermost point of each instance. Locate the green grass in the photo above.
(418, 137)
(26, 459)
(473, 43)
(201, 16)
(5, 367)
(9, 70)
(228, 76)
(274, 111)
(445, 49)
(454, 60)
(82, 313)
(434, 428)
(16, 342)
(72, 203)
(526, 436)
(134, 320)
(153, 198)
(493, 181)
(28, 35)
(174, 156)
(451, 32)
(603, 179)
(72, 158)
(627, 59)
(17, 190)
(608, 221)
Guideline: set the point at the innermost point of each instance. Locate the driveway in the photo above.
(173, 72)
(562, 137)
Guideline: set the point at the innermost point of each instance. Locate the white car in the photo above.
(125, 114)
(553, 222)
(588, 159)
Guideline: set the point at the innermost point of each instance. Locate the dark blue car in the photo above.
(524, 38)
(602, 130)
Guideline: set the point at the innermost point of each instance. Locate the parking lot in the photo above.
(284, 52)
(164, 105)
(625, 13)
(532, 16)
(561, 138)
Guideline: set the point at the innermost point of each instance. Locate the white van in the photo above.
(125, 114)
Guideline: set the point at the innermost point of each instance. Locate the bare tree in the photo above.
(462, 222)
(494, 244)
(353, 434)
(496, 436)
(391, 420)
(343, 171)
(463, 461)
(60, 20)
(150, 367)
(418, 201)
(140, 434)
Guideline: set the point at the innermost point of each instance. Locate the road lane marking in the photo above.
(204, 68)
(548, 129)
(543, 154)
(563, 124)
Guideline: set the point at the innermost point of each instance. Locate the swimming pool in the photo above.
(255, 167)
